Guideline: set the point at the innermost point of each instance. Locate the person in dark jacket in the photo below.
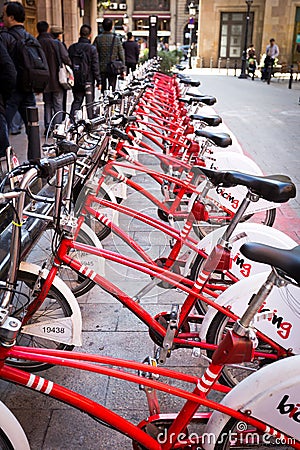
(8, 78)
(53, 95)
(13, 20)
(132, 52)
(87, 90)
(103, 43)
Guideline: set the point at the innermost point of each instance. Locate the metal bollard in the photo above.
(227, 65)
(235, 67)
(219, 64)
(291, 77)
(34, 141)
(211, 62)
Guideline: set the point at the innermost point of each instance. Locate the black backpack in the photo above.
(32, 67)
(80, 57)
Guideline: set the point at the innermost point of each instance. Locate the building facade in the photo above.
(218, 27)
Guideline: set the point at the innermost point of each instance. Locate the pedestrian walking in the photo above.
(20, 99)
(109, 47)
(57, 33)
(85, 65)
(53, 95)
(272, 52)
(8, 78)
(132, 52)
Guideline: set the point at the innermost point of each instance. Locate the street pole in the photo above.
(191, 26)
(153, 20)
(244, 56)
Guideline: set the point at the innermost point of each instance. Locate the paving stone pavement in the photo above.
(265, 121)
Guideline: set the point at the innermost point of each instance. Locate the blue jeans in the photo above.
(54, 103)
(89, 95)
(19, 101)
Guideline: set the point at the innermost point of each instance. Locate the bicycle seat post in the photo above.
(243, 323)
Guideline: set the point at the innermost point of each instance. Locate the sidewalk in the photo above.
(265, 121)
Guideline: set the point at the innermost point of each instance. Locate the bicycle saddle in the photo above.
(206, 99)
(190, 82)
(211, 121)
(274, 188)
(286, 260)
(220, 139)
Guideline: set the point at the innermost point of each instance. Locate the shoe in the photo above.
(14, 133)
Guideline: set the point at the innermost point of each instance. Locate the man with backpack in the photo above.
(109, 47)
(85, 65)
(29, 60)
(8, 77)
(53, 94)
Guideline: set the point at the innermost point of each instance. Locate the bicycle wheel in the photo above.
(100, 229)
(78, 283)
(5, 442)
(55, 306)
(218, 219)
(232, 375)
(12, 435)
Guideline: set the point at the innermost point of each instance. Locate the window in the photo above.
(152, 5)
(143, 24)
(232, 34)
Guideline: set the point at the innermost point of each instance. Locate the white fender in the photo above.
(12, 428)
(277, 319)
(264, 393)
(72, 326)
(247, 232)
(112, 190)
(231, 198)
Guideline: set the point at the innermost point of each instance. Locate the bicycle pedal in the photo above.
(143, 373)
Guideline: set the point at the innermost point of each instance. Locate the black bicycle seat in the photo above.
(211, 121)
(274, 188)
(220, 139)
(206, 99)
(286, 260)
(190, 82)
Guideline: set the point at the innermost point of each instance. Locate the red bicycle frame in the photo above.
(98, 364)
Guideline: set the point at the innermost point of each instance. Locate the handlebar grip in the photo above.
(120, 134)
(47, 167)
(97, 121)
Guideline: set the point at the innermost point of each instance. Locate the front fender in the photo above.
(72, 325)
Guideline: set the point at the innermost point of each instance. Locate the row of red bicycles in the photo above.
(152, 198)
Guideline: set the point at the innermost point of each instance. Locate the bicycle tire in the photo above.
(267, 218)
(78, 283)
(54, 306)
(101, 230)
(230, 375)
(5, 442)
